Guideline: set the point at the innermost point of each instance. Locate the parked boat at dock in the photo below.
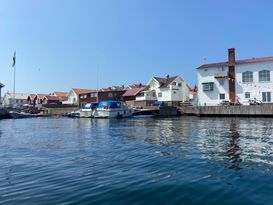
(88, 110)
(113, 109)
(4, 114)
(18, 115)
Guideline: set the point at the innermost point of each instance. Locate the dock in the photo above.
(159, 111)
(263, 110)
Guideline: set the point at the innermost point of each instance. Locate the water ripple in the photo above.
(184, 160)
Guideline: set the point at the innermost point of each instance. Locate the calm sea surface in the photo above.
(185, 160)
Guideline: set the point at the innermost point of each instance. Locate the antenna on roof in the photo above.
(205, 60)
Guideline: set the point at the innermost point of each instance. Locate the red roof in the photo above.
(41, 96)
(132, 92)
(32, 96)
(238, 62)
(164, 82)
(51, 97)
(82, 91)
(61, 94)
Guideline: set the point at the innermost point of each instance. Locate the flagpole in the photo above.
(14, 68)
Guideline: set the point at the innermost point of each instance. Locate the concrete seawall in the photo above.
(264, 110)
(59, 111)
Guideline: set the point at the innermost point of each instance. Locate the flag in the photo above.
(14, 59)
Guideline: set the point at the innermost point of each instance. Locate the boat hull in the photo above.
(113, 113)
(18, 115)
(86, 113)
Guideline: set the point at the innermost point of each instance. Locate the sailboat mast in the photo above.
(97, 84)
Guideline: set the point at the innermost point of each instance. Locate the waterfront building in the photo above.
(110, 93)
(63, 96)
(35, 100)
(171, 90)
(15, 101)
(31, 99)
(131, 92)
(73, 96)
(51, 100)
(38, 100)
(241, 81)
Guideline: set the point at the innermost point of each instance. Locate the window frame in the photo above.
(221, 95)
(247, 77)
(247, 95)
(264, 74)
(208, 86)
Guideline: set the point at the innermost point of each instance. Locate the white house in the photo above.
(235, 80)
(17, 101)
(170, 89)
(73, 96)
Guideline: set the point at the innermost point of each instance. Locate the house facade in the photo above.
(15, 101)
(235, 81)
(63, 96)
(73, 97)
(35, 100)
(171, 90)
(51, 100)
(111, 93)
(132, 91)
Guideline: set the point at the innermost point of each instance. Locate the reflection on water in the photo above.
(136, 160)
(240, 140)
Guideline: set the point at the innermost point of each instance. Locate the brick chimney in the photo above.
(231, 56)
(231, 74)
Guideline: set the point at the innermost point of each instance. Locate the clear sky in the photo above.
(61, 44)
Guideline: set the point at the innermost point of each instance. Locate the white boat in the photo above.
(88, 110)
(18, 115)
(113, 109)
(74, 114)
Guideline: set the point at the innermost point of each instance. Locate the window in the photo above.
(222, 82)
(174, 92)
(207, 86)
(179, 84)
(174, 83)
(247, 77)
(247, 95)
(159, 95)
(110, 95)
(266, 96)
(222, 96)
(264, 76)
(93, 95)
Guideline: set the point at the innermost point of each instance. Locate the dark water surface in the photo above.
(185, 160)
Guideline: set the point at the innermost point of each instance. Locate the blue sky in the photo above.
(61, 44)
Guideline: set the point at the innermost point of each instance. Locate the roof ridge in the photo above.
(240, 61)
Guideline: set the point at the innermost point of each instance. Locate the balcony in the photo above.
(221, 74)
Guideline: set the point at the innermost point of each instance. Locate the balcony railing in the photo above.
(222, 74)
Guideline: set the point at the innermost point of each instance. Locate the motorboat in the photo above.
(112, 109)
(18, 115)
(88, 110)
(74, 114)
